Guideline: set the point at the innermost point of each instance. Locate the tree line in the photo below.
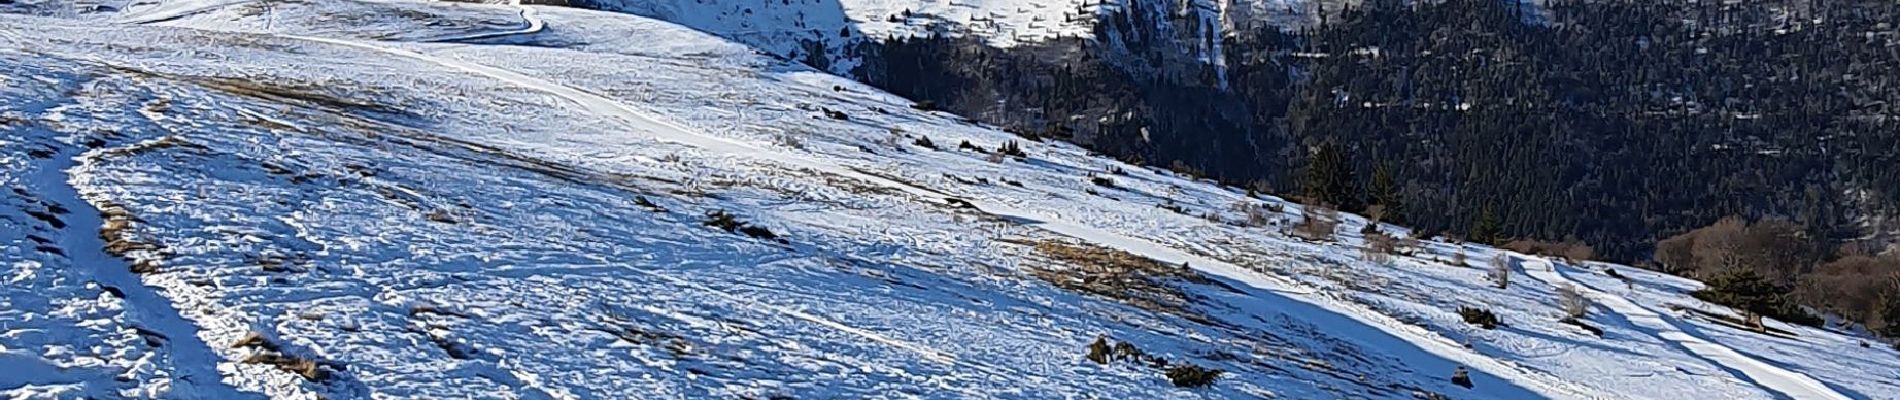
(1615, 123)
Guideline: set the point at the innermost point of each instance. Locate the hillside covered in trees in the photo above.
(1614, 122)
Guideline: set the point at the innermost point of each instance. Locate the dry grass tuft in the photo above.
(1316, 224)
(269, 352)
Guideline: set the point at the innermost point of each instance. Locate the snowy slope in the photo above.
(519, 212)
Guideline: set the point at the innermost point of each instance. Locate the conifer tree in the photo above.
(1486, 229)
(1384, 192)
(1329, 179)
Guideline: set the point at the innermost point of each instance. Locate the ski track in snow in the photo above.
(528, 15)
(1789, 383)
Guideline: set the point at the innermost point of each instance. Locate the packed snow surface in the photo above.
(394, 199)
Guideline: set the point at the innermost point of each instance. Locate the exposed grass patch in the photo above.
(291, 92)
(120, 242)
(269, 352)
(1130, 278)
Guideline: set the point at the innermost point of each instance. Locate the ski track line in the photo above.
(1761, 374)
(532, 16)
(660, 129)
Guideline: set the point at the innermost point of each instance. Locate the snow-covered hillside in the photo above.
(357, 199)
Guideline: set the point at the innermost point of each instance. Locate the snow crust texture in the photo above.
(393, 199)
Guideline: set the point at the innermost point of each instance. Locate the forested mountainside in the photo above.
(1612, 122)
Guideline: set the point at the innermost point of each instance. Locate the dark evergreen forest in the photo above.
(1610, 121)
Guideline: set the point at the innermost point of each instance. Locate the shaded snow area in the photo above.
(346, 199)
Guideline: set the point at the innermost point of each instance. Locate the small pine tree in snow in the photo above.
(1012, 149)
(1746, 291)
(1099, 350)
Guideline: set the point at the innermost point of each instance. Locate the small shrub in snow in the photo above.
(788, 140)
(441, 215)
(1011, 149)
(1185, 375)
(643, 202)
(1099, 350)
(924, 142)
(1186, 170)
(1380, 246)
(1257, 215)
(1572, 301)
(1461, 377)
(1316, 223)
(1481, 317)
(1125, 351)
(730, 223)
(1193, 376)
(1501, 271)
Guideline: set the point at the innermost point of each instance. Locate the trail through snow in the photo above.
(1790, 383)
(193, 363)
(528, 14)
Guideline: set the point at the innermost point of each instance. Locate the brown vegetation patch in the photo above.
(120, 242)
(1130, 278)
(1316, 223)
(1572, 250)
(269, 352)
